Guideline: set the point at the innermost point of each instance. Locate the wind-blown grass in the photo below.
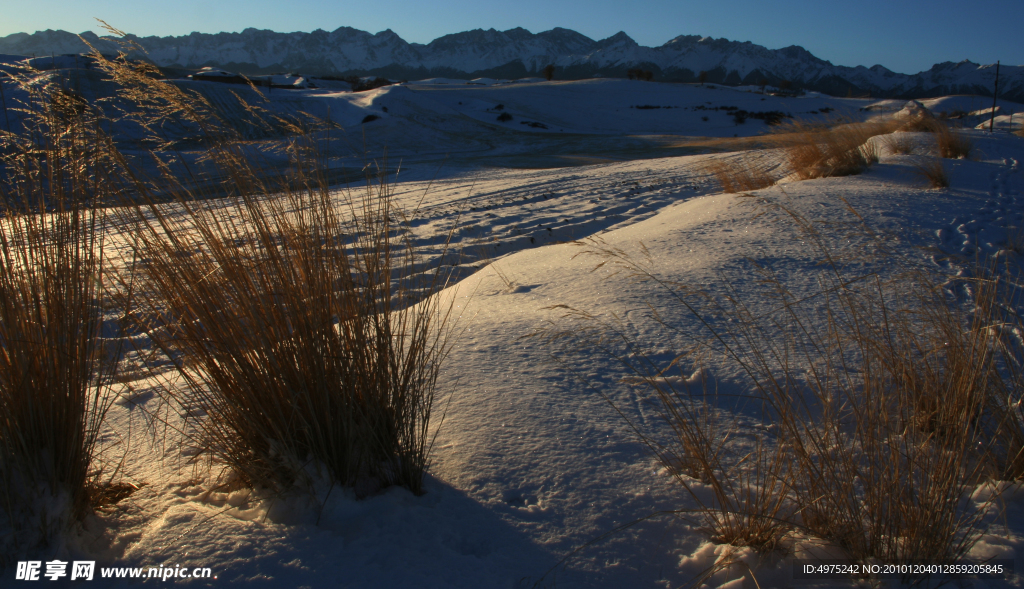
(740, 175)
(810, 150)
(53, 366)
(952, 144)
(304, 330)
(823, 150)
(933, 172)
(299, 329)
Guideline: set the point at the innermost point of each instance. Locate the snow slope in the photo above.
(529, 464)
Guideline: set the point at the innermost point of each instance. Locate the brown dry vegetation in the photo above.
(811, 150)
(952, 144)
(290, 310)
(840, 149)
(933, 172)
(295, 329)
(739, 175)
(921, 122)
(823, 150)
(54, 369)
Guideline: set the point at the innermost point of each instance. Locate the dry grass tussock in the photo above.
(297, 316)
(54, 368)
(295, 327)
(739, 175)
(921, 121)
(933, 172)
(885, 400)
(823, 150)
(812, 150)
(952, 144)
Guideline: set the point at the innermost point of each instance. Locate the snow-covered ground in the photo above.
(534, 474)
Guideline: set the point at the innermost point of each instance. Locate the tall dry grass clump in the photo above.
(879, 426)
(933, 172)
(305, 332)
(952, 144)
(53, 366)
(740, 175)
(298, 326)
(885, 401)
(920, 120)
(823, 150)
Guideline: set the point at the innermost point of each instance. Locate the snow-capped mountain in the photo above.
(518, 52)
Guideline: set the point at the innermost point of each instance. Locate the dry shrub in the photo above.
(879, 464)
(296, 328)
(740, 175)
(921, 121)
(933, 172)
(952, 144)
(306, 335)
(889, 399)
(884, 453)
(816, 150)
(54, 369)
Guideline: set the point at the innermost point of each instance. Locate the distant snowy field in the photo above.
(530, 464)
(552, 124)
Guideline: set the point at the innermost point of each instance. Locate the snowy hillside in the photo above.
(527, 122)
(517, 53)
(531, 465)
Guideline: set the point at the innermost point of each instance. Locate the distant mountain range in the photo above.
(519, 53)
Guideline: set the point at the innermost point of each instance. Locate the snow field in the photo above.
(529, 464)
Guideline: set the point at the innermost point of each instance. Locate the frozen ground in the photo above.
(531, 466)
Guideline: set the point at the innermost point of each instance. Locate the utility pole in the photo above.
(995, 93)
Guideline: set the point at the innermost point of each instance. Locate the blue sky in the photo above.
(904, 35)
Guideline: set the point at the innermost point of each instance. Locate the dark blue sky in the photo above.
(905, 36)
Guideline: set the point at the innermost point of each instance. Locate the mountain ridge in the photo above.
(518, 52)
